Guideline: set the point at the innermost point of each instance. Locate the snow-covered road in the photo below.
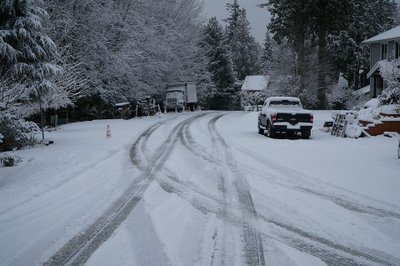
(201, 188)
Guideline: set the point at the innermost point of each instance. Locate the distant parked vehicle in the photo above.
(285, 115)
(181, 96)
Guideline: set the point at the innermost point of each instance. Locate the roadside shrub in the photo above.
(9, 160)
(16, 133)
(390, 96)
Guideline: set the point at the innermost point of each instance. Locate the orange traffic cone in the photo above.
(108, 133)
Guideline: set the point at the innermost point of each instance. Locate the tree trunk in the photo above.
(42, 122)
(322, 86)
(356, 79)
(300, 49)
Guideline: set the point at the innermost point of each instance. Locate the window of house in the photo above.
(384, 54)
(397, 51)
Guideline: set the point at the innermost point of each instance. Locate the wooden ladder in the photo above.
(339, 126)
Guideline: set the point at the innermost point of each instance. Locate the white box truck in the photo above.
(181, 96)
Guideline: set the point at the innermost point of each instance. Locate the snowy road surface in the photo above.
(200, 188)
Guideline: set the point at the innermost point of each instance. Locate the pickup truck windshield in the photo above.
(285, 102)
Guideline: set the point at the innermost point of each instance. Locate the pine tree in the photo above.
(328, 16)
(220, 66)
(267, 59)
(243, 47)
(305, 21)
(232, 20)
(27, 54)
(290, 24)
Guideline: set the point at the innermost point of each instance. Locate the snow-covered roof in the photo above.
(386, 36)
(255, 83)
(362, 91)
(376, 67)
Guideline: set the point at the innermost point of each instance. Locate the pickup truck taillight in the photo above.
(312, 118)
(274, 118)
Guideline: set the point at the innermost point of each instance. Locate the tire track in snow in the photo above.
(207, 203)
(332, 258)
(78, 250)
(189, 142)
(199, 199)
(324, 252)
(252, 242)
(353, 206)
(169, 182)
(349, 204)
(328, 251)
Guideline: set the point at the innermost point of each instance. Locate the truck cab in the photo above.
(181, 96)
(175, 99)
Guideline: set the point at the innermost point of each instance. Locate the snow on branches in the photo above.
(390, 72)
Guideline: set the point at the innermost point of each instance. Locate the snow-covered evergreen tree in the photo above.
(290, 24)
(267, 59)
(220, 66)
(27, 54)
(243, 47)
(300, 22)
(327, 16)
(349, 55)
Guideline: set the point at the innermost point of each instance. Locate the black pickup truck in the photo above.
(285, 115)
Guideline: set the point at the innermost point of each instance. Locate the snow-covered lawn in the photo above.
(307, 202)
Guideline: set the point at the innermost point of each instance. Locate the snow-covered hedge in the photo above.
(16, 132)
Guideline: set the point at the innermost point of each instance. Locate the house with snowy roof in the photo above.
(252, 88)
(255, 84)
(384, 47)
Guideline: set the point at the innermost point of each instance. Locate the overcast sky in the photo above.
(258, 17)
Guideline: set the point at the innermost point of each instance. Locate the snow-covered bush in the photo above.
(390, 72)
(340, 94)
(370, 111)
(338, 97)
(249, 99)
(16, 132)
(8, 160)
(390, 96)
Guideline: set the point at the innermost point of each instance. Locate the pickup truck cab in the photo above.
(285, 115)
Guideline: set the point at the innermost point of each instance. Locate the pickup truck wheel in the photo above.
(260, 130)
(305, 134)
(271, 132)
